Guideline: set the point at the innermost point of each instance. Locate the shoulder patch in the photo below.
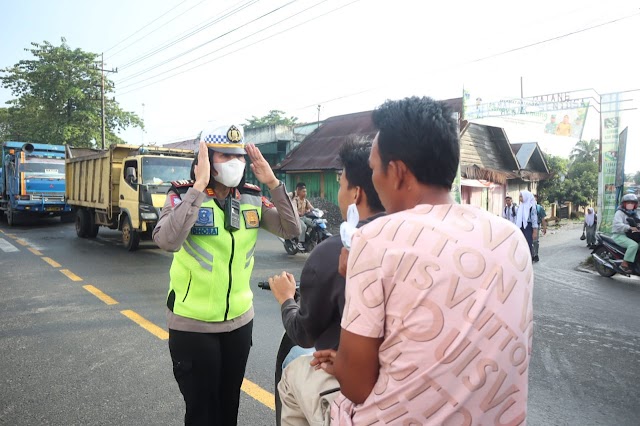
(251, 186)
(267, 203)
(181, 183)
(248, 188)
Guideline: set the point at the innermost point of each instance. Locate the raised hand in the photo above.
(260, 167)
(203, 168)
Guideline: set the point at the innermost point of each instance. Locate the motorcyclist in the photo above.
(627, 209)
(303, 206)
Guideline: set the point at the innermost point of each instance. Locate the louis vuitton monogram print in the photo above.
(448, 288)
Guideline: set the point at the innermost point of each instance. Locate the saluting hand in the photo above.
(260, 167)
(203, 168)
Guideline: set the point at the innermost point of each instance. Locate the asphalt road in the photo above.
(74, 350)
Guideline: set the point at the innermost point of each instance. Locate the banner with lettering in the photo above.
(556, 121)
(608, 193)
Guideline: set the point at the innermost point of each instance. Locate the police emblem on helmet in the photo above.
(234, 135)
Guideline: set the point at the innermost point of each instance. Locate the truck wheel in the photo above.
(92, 228)
(81, 223)
(130, 237)
(11, 217)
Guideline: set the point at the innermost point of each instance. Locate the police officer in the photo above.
(211, 223)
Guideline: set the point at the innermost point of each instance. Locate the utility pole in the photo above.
(102, 70)
(318, 115)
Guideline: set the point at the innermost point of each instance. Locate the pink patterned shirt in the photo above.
(448, 288)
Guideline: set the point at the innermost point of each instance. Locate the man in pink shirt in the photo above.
(438, 322)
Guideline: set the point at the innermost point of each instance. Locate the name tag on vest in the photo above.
(205, 223)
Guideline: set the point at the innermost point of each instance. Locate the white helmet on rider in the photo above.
(629, 202)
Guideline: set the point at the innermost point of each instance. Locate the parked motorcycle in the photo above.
(608, 255)
(316, 233)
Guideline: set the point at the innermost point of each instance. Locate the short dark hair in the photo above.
(508, 197)
(300, 185)
(423, 134)
(354, 156)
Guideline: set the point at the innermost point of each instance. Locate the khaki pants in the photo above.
(300, 389)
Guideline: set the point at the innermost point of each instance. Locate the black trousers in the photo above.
(528, 235)
(209, 368)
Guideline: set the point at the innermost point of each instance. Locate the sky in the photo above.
(184, 63)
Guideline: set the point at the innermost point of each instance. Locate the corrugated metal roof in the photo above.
(319, 151)
(530, 157)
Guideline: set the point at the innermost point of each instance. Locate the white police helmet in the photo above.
(228, 139)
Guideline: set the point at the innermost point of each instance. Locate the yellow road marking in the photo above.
(2, 231)
(12, 236)
(51, 262)
(259, 394)
(22, 242)
(36, 252)
(70, 275)
(146, 324)
(100, 295)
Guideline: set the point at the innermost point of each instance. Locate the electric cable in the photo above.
(241, 48)
(166, 61)
(145, 26)
(190, 33)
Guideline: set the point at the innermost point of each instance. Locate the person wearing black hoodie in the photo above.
(314, 322)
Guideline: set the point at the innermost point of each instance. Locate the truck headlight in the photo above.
(148, 216)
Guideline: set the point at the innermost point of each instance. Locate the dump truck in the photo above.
(123, 187)
(32, 181)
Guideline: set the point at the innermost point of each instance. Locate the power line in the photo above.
(190, 33)
(139, 73)
(241, 48)
(552, 39)
(157, 28)
(131, 35)
(485, 57)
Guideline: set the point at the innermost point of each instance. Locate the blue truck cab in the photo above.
(32, 181)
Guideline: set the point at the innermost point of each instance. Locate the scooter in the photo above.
(608, 255)
(316, 233)
(283, 350)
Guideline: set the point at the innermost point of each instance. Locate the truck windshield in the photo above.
(163, 170)
(41, 165)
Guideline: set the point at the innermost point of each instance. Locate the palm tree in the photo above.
(585, 151)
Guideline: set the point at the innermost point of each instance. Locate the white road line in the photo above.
(7, 247)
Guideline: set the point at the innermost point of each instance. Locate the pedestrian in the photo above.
(542, 227)
(527, 218)
(437, 324)
(590, 225)
(314, 322)
(211, 224)
(510, 210)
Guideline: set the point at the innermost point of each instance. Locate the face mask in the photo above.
(229, 173)
(348, 228)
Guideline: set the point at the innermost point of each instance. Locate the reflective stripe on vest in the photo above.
(210, 274)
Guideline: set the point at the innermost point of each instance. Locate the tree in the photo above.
(636, 178)
(58, 99)
(552, 189)
(581, 185)
(274, 117)
(585, 151)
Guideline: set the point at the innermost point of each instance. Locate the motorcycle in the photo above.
(315, 234)
(283, 350)
(608, 255)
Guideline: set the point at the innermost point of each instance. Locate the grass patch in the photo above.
(589, 262)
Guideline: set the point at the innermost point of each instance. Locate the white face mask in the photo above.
(348, 228)
(229, 173)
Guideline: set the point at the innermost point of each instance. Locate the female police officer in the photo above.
(212, 222)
